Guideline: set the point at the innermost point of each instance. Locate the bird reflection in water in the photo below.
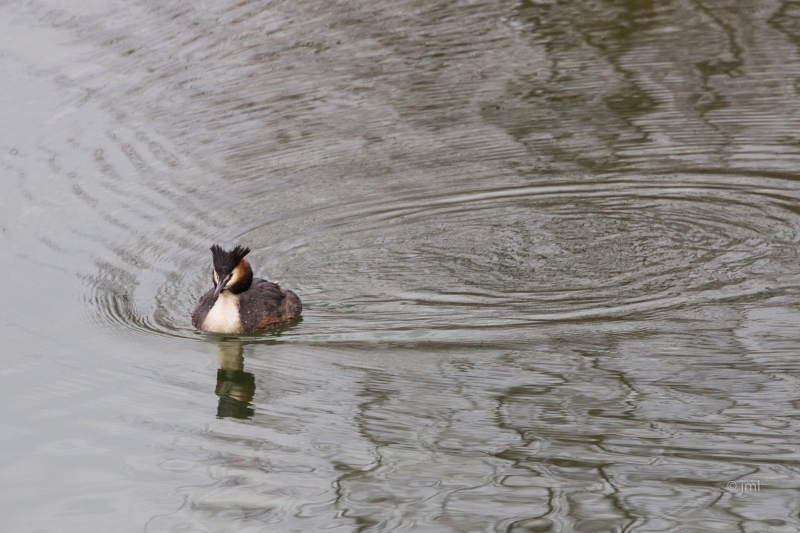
(235, 387)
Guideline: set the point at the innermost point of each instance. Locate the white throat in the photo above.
(224, 317)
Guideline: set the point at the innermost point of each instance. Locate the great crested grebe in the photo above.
(238, 303)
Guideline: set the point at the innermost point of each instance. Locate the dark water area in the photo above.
(547, 252)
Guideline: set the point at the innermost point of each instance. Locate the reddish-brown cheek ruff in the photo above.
(241, 278)
(245, 303)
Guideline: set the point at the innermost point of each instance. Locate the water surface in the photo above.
(547, 252)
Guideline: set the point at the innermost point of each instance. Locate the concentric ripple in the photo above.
(493, 258)
(606, 248)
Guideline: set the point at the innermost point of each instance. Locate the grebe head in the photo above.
(231, 271)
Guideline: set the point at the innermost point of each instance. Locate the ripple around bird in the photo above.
(571, 251)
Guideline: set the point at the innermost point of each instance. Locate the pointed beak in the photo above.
(220, 286)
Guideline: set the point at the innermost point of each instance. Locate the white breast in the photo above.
(224, 316)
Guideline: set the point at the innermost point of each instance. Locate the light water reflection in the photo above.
(235, 387)
(547, 253)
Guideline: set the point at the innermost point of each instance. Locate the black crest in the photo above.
(225, 262)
